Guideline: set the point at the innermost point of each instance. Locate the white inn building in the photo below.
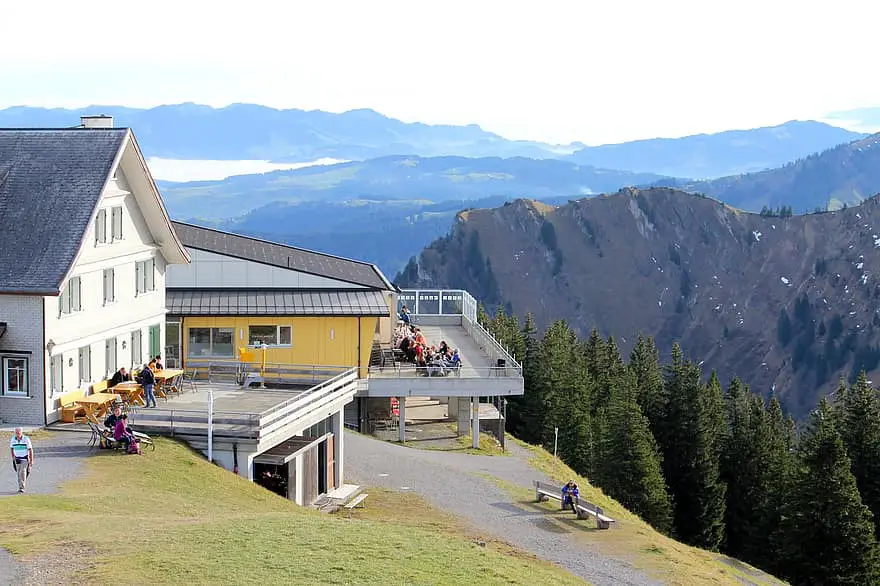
(85, 242)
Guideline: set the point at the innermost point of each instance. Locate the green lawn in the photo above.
(171, 518)
(631, 538)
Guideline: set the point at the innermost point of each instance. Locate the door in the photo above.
(155, 342)
(331, 464)
(310, 476)
(322, 467)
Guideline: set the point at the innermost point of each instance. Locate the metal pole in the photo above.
(555, 443)
(210, 425)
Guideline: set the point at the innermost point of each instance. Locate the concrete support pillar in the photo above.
(297, 491)
(401, 423)
(338, 429)
(475, 429)
(463, 412)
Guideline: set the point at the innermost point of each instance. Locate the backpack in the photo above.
(134, 446)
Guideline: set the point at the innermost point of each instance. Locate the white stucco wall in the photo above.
(98, 322)
(209, 269)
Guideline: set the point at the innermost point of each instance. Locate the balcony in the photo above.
(488, 368)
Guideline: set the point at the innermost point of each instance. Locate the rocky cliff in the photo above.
(789, 304)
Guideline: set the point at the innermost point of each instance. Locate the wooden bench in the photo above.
(583, 509)
(358, 500)
(101, 386)
(70, 411)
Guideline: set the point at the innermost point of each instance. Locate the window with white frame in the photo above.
(101, 227)
(210, 342)
(15, 376)
(56, 374)
(270, 335)
(70, 299)
(136, 352)
(116, 223)
(110, 357)
(145, 276)
(109, 286)
(85, 364)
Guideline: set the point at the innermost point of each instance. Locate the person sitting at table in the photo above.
(123, 433)
(120, 376)
(158, 361)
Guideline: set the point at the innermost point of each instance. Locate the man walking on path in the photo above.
(22, 457)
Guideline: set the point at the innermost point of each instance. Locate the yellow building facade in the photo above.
(241, 296)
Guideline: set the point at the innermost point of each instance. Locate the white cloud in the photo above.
(555, 70)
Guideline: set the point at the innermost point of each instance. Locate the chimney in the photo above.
(100, 121)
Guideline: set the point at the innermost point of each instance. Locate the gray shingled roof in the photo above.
(281, 255)
(183, 302)
(50, 183)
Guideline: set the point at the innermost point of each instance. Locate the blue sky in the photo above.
(557, 71)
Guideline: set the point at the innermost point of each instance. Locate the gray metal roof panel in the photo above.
(184, 302)
(50, 183)
(282, 255)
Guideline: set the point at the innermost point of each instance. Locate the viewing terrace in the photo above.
(488, 368)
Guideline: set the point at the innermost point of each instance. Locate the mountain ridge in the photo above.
(683, 268)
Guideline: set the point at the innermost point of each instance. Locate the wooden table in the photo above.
(165, 378)
(132, 393)
(96, 406)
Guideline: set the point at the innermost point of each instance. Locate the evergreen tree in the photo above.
(482, 316)
(692, 453)
(764, 550)
(644, 362)
(861, 435)
(827, 533)
(526, 413)
(630, 459)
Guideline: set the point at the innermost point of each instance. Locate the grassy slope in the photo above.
(634, 540)
(169, 517)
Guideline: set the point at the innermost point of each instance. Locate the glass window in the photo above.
(199, 342)
(259, 335)
(109, 286)
(145, 275)
(116, 222)
(15, 379)
(101, 227)
(210, 342)
(270, 335)
(221, 342)
(69, 300)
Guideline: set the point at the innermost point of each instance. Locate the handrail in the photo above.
(466, 372)
(319, 387)
(491, 343)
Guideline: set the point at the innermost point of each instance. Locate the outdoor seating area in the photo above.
(411, 347)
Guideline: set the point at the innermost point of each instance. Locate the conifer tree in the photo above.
(861, 436)
(644, 362)
(526, 413)
(692, 453)
(827, 533)
(630, 459)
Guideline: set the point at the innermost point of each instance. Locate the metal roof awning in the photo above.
(282, 302)
(288, 450)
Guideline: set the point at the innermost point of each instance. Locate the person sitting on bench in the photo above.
(120, 376)
(123, 433)
(570, 495)
(111, 420)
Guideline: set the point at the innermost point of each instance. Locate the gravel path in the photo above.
(56, 459)
(451, 481)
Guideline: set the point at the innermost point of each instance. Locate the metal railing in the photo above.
(248, 424)
(409, 370)
(451, 302)
(235, 371)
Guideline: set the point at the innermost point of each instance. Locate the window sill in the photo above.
(7, 396)
(69, 315)
(144, 293)
(270, 346)
(113, 302)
